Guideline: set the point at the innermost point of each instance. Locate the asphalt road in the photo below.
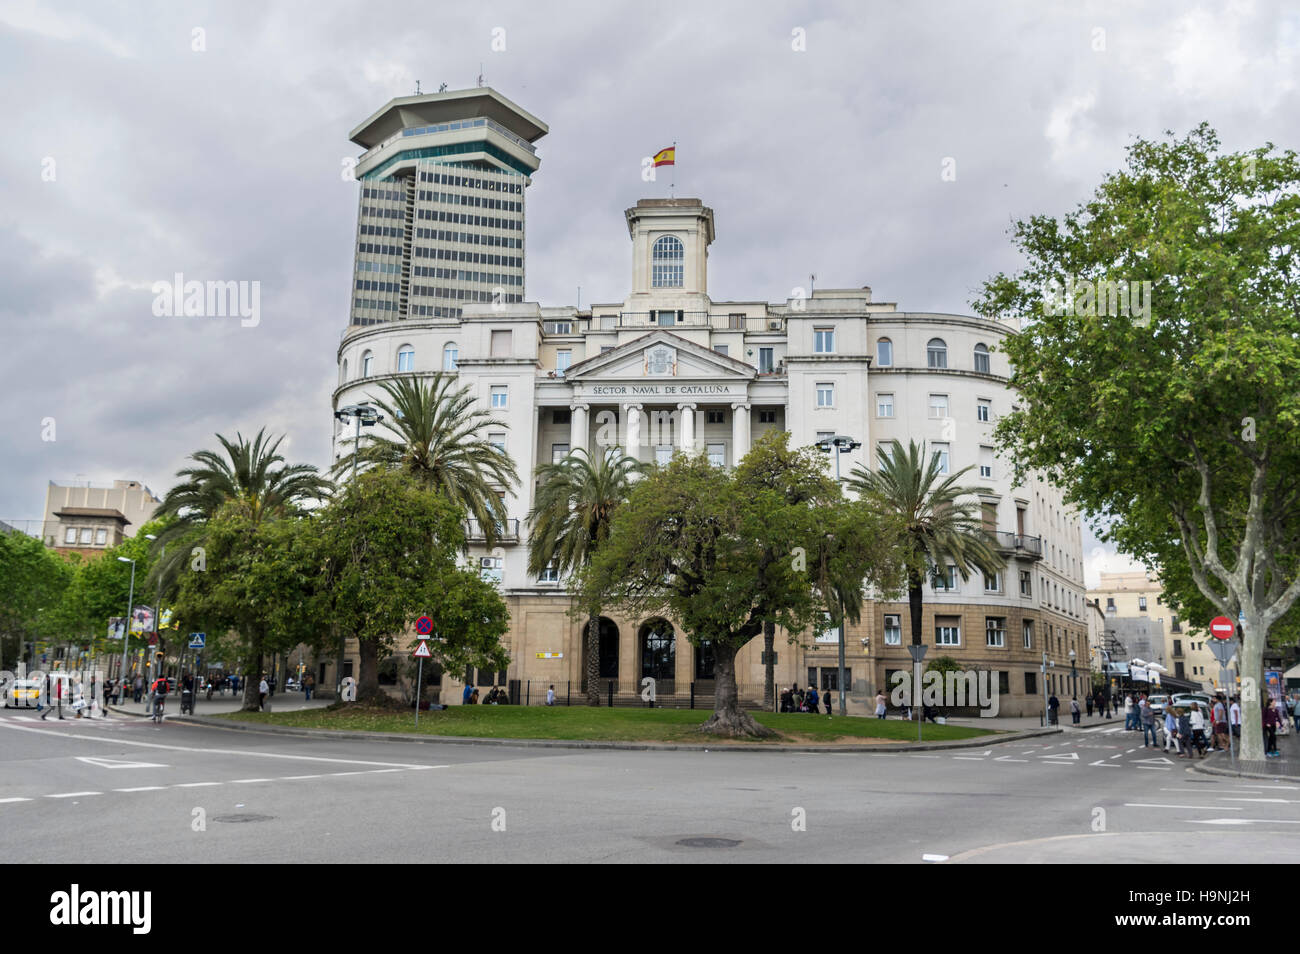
(105, 791)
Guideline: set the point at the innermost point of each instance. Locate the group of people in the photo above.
(1190, 734)
(497, 696)
(795, 699)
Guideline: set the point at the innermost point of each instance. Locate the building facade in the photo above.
(668, 369)
(89, 518)
(1181, 649)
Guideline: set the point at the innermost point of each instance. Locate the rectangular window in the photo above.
(938, 406)
(983, 410)
(501, 344)
(827, 633)
(823, 341)
(715, 416)
(549, 575)
(884, 405)
(986, 461)
(1142, 603)
(946, 579)
(500, 395)
(666, 318)
(736, 322)
(663, 454)
(70, 535)
(1031, 683)
(561, 415)
(995, 632)
(765, 360)
(947, 631)
(489, 568)
(449, 356)
(767, 417)
(884, 353)
(498, 440)
(993, 584)
(562, 361)
(101, 537)
(86, 535)
(559, 452)
(825, 394)
(722, 349)
(893, 629)
(1026, 583)
(1110, 604)
(717, 454)
(942, 451)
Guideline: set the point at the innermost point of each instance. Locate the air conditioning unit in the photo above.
(774, 326)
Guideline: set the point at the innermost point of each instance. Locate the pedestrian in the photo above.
(787, 700)
(262, 690)
(826, 701)
(139, 686)
(1074, 709)
(882, 704)
(1197, 720)
(1219, 719)
(1271, 720)
(1053, 707)
(1234, 717)
(1171, 730)
(308, 685)
(1295, 711)
(1184, 732)
(464, 695)
(54, 693)
(1088, 700)
(550, 696)
(473, 698)
(1130, 713)
(811, 700)
(1148, 716)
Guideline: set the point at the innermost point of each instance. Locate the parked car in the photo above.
(22, 694)
(1157, 703)
(1181, 698)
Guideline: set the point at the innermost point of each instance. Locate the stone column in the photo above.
(632, 444)
(686, 427)
(578, 426)
(739, 432)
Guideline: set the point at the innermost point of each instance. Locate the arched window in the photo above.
(884, 353)
(406, 358)
(367, 364)
(936, 353)
(658, 650)
(982, 358)
(666, 261)
(449, 356)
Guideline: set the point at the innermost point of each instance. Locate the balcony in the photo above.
(1020, 544)
(507, 531)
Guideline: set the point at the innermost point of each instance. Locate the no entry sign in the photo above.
(424, 626)
(1222, 628)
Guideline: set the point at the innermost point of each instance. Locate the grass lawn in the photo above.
(624, 725)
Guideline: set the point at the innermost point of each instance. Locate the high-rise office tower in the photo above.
(441, 214)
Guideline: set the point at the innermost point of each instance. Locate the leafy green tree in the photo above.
(389, 551)
(440, 439)
(1172, 409)
(33, 581)
(722, 551)
(941, 522)
(575, 504)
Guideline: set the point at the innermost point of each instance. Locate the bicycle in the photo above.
(158, 709)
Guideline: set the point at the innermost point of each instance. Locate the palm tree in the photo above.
(938, 530)
(251, 476)
(576, 499)
(440, 439)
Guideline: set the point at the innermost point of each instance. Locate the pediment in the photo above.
(661, 355)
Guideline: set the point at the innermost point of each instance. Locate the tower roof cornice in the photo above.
(404, 112)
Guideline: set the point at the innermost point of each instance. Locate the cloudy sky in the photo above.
(146, 139)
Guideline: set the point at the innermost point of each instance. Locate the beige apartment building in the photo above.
(1136, 595)
(86, 518)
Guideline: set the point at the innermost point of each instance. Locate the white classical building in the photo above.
(668, 368)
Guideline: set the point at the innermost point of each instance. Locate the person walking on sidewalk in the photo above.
(1053, 707)
(1130, 715)
(881, 704)
(1074, 710)
(1271, 720)
(1171, 731)
(262, 690)
(1088, 701)
(54, 693)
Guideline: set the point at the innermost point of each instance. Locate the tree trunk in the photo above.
(728, 718)
(253, 678)
(769, 668)
(914, 594)
(368, 681)
(593, 660)
(1250, 666)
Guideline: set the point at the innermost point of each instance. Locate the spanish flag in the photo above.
(666, 157)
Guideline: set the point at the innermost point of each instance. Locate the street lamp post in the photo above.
(1047, 713)
(1074, 678)
(841, 445)
(126, 633)
(365, 415)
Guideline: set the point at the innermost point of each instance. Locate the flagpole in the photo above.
(672, 180)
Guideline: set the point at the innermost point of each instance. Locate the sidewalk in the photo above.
(1022, 723)
(220, 705)
(1284, 769)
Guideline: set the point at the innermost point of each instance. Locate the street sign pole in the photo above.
(1223, 651)
(917, 653)
(419, 684)
(424, 626)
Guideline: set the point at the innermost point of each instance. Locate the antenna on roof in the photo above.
(480, 74)
(812, 282)
(417, 87)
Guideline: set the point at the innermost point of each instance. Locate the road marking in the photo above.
(1103, 763)
(1213, 808)
(934, 858)
(206, 751)
(194, 784)
(1117, 755)
(1003, 758)
(1241, 821)
(1271, 801)
(336, 774)
(73, 794)
(5, 801)
(1158, 760)
(1074, 756)
(142, 788)
(1155, 768)
(382, 771)
(116, 763)
(914, 756)
(247, 781)
(970, 758)
(291, 778)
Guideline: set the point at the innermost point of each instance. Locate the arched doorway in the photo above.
(658, 641)
(704, 661)
(608, 652)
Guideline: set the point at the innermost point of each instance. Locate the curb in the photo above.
(1230, 773)
(353, 736)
